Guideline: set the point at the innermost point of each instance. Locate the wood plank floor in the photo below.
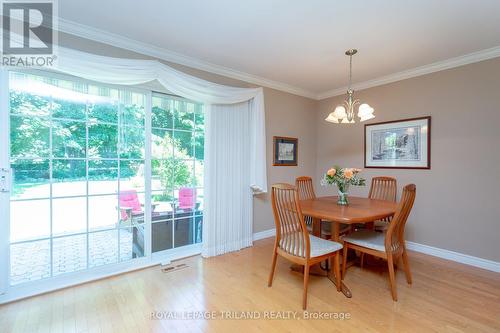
(444, 297)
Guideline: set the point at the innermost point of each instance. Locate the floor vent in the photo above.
(173, 268)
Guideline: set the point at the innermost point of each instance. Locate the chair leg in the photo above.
(344, 259)
(392, 276)
(406, 265)
(306, 282)
(273, 267)
(362, 258)
(338, 280)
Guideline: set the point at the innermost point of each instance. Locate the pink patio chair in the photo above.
(187, 198)
(130, 206)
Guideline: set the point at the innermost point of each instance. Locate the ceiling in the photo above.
(298, 45)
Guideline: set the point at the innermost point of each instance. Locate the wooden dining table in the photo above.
(359, 210)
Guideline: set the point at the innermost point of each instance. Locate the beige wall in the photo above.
(458, 200)
(286, 115)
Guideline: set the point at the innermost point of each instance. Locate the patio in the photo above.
(31, 261)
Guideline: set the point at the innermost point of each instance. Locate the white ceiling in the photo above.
(299, 44)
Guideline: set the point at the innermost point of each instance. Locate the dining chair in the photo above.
(305, 188)
(383, 188)
(390, 245)
(293, 241)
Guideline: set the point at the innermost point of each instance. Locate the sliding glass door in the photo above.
(94, 168)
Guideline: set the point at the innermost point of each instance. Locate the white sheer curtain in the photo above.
(228, 193)
(235, 152)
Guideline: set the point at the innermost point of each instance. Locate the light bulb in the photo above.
(365, 110)
(340, 112)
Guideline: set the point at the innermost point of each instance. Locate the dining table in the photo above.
(358, 211)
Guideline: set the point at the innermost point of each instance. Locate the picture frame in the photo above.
(398, 144)
(285, 151)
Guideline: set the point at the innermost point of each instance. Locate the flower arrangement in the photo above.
(343, 178)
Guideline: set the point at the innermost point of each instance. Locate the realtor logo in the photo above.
(28, 33)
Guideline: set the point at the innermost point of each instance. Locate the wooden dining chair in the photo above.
(382, 188)
(305, 188)
(293, 241)
(390, 245)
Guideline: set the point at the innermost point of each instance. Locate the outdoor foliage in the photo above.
(33, 116)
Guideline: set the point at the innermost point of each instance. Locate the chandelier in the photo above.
(345, 113)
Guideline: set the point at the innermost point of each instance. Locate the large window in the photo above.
(78, 154)
(177, 172)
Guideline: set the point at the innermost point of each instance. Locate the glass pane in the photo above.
(184, 173)
(133, 114)
(27, 103)
(199, 145)
(186, 199)
(69, 215)
(131, 207)
(199, 117)
(198, 173)
(31, 179)
(103, 141)
(183, 145)
(69, 178)
(70, 109)
(198, 228)
(183, 115)
(103, 248)
(132, 142)
(69, 254)
(184, 231)
(68, 138)
(103, 177)
(103, 212)
(161, 236)
(29, 261)
(131, 243)
(162, 112)
(104, 112)
(132, 175)
(162, 175)
(162, 144)
(29, 137)
(29, 220)
(199, 201)
(163, 206)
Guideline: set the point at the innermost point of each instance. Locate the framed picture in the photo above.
(285, 151)
(400, 144)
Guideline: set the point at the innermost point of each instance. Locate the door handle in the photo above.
(4, 180)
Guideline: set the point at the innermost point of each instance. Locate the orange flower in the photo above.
(348, 173)
(356, 170)
(331, 172)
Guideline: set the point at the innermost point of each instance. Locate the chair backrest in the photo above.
(187, 198)
(305, 188)
(395, 235)
(129, 199)
(383, 188)
(291, 233)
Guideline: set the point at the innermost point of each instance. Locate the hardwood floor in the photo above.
(444, 297)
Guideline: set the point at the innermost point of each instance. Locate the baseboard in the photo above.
(426, 249)
(455, 256)
(264, 234)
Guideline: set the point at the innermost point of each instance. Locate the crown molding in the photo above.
(122, 42)
(470, 58)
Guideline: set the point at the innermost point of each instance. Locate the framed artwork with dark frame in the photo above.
(285, 151)
(399, 144)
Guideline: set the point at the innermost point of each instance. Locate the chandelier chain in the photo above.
(350, 71)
